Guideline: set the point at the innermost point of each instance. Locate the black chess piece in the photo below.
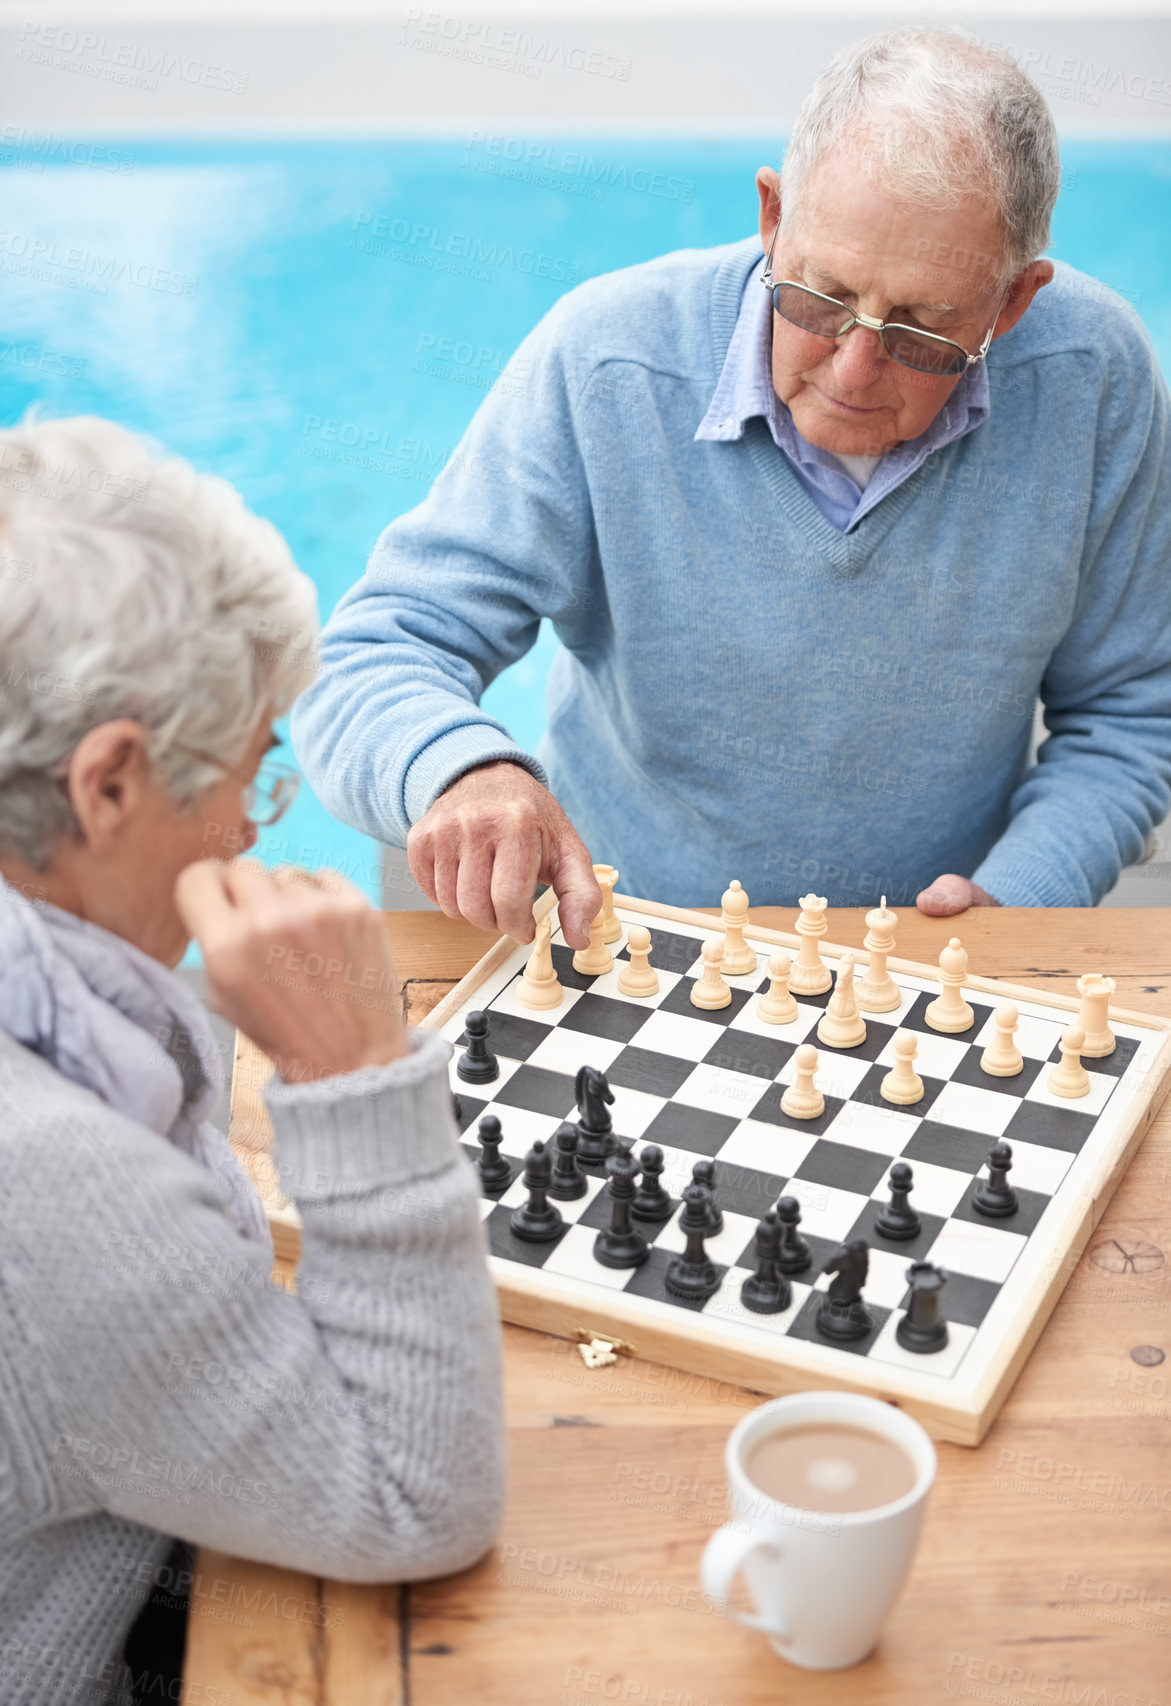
(568, 1181)
(843, 1314)
(595, 1127)
(457, 1108)
(693, 1275)
(897, 1219)
(477, 1064)
(620, 1245)
(495, 1170)
(795, 1255)
(923, 1328)
(704, 1173)
(651, 1201)
(994, 1196)
(537, 1221)
(767, 1291)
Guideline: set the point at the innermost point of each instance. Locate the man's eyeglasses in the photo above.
(268, 795)
(825, 317)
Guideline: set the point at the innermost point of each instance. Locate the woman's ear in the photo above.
(108, 781)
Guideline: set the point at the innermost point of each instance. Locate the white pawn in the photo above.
(949, 1011)
(739, 958)
(638, 976)
(811, 975)
(710, 990)
(803, 1100)
(1070, 1078)
(778, 1006)
(842, 1026)
(607, 876)
(902, 1083)
(597, 958)
(1002, 1058)
(539, 986)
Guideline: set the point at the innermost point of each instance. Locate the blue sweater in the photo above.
(742, 690)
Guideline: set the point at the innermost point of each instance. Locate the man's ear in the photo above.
(1021, 292)
(107, 780)
(768, 188)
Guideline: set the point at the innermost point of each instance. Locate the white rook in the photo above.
(1093, 1015)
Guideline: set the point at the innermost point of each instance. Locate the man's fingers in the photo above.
(514, 883)
(473, 885)
(946, 896)
(572, 876)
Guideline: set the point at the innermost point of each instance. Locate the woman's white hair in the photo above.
(941, 116)
(132, 586)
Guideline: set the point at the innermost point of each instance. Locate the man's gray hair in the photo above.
(132, 586)
(943, 115)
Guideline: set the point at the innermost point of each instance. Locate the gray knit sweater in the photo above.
(154, 1383)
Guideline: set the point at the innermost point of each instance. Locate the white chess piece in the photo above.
(810, 975)
(1093, 1014)
(539, 986)
(597, 958)
(1002, 1058)
(611, 924)
(739, 958)
(949, 1011)
(777, 1006)
(709, 990)
(803, 1100)
(878, 992)
(638, 976)
(902, 1084)
(842, 1026)
(1070, 1077)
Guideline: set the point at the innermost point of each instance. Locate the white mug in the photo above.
(823, 1583)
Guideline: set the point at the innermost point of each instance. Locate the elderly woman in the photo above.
(155, 1386)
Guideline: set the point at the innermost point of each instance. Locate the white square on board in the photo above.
(725, 1305)
(1095, 1099)
(776, 1150)
(935, 1057)
(825, 1211)
(719, 1091)
(943, 1364)
(973, 1109)
(573, 1258)
(675, 1034)
(564, 1051)
(880, 1129)
(508, 1002)
(796, 1031)
(836, 1075)
(1035, 1167)
(984, 1252)
(936, 1190)
(726, 1247)
(1036, 1038)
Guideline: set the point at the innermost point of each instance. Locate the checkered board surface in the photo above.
(710, 1083)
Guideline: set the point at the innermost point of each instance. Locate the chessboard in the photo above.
(708, 1084)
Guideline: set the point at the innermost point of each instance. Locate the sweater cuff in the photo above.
(357, 1131)
(443, 760)
(1016, 879)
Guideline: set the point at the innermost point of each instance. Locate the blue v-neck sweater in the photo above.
(743, 690)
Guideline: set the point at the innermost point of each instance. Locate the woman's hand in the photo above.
(299, 962)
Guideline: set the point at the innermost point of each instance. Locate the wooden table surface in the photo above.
(1044, 1571)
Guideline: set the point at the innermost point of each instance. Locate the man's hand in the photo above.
(487, 842)
(299, 962)
(951, 894)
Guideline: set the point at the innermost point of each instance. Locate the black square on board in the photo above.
(769, 1109)
(916, 1020)
(502, 1240)
(1053, 1128)
(511, 1037)
(965, 1299)
(804, 1326)
(601, 1016)
(870, 1093)
(679, 1127)
(1031, 1205)
(915, 1249)
(843, 1167)
(563, 966)
(1110, 1065)
(949, 1146)
(747, 1190)
(876, 1039)
(470, 1109)
(540, 1091)
(472, 1151)
(650, 1280)
(741, 1051)
(679, 1001)
(647, 1070)
(969, 1071)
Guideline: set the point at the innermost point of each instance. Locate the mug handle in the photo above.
(723, 1558)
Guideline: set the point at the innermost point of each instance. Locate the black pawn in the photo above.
(477, 1064)
(620, 1245)
(767, 1291)
(693, 1275)
(795, 1254)
(568, 1181)
(898, 1220)
(994, 1196)
(651, 1201)
(923, 1328)
(495, 1169)
(704, 1173)
(537, 1221)
(457, 1109)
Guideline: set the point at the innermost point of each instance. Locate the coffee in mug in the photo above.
(830, 1468)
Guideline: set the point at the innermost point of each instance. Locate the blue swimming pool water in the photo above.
(318, 321)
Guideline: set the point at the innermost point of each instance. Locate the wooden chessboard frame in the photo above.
(718, 1349)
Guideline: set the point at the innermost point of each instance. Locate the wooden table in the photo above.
(1045, 1567)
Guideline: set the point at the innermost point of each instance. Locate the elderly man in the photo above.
(817, 519)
